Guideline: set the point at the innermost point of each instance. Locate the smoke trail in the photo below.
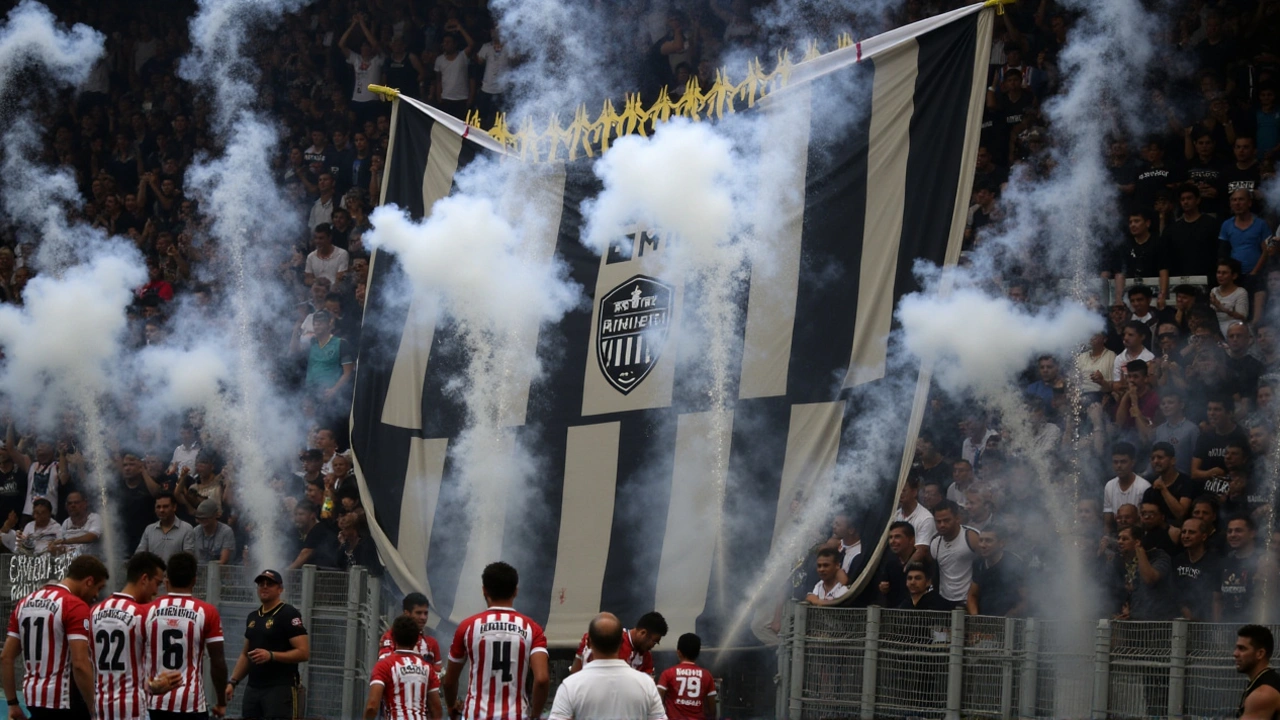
(232, 190)
(479, 259)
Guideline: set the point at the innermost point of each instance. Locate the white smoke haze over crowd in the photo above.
(250, 218)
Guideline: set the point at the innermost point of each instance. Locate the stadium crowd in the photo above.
(1162, 431)
(1164, 424)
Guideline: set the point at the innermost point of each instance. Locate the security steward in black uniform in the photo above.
(274, 643)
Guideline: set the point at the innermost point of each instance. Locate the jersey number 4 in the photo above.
(500, 651)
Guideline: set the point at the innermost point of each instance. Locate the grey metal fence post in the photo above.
(1101, 669)
(955, 665)
(213, 584)
(373, 625)
(350, 678)
(306, 602)
(1178, 667)
(799, 626)
(782, 702)
(1030, 669)
(1006, 667)
(870, 662)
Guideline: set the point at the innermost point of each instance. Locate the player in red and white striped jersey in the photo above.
(180, 628)
(120, 642)
(502, 647)
(637, 644)
(415, 607)
(404, 685)
(688, 691)
(50, 628)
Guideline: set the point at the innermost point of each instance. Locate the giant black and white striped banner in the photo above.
(637, 512)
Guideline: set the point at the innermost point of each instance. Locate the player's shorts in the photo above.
(276, 702)
(39, 713)
(171, 715)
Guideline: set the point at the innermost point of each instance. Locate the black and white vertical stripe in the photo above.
(637, 508)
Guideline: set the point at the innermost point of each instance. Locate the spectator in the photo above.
(1196, 573)
(999, 586)
(368, 67)
(184, 456)
(850, 545)
(1138, 411)
(81, 531)
(829, 589)
(319, 544)
(1126, 488)
(1239, 572)
(892, 576)
(962, 479)
(1143, 255)
(1208, 463)
(38, 535)
(954, 549)
(326, 261)
(1178, 433)
(976, 436)
(1205, 509)
(920, 594)
(930, 464)
(1156, 531)
(910, 510)
(1243, 369)
(1140, 305)
(215, 542)
(931, 494)
(1050, 381)
(1134, 338)
(1143, 579)
(1095, 366)
(1245, 232)
(1170, 489)
(454, 89)
(322, 208)
(1229, 300)
(168, 535)
(494, 82)
(1192, 240)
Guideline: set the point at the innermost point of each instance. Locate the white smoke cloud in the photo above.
(983, 342)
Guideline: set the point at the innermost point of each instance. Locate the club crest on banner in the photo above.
(634, 321)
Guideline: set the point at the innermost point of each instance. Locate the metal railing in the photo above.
(341, 610)
(873, 662)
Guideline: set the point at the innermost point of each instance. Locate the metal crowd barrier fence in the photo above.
(871, 663)
(343, 613)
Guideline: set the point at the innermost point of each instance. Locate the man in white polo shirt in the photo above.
(607, 688)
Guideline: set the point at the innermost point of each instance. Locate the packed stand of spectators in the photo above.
(1164, 426)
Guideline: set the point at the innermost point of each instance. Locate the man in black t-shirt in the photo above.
(1143, 254)
(1154, 177)
(319, 543)
(998, 586)
(1170, 489)
(1204, 173)
(275, 642)
(1005, 108)
(1244, 174)
(1239, 571)
(1192, 240)
(1196, 573)
(1209, 463)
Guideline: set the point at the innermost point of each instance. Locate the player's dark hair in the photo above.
(1139, 326)
(1140, 290)
(163, 494)
(182, 570)
(142, 565)
(828, 552)
(904, 526)
(653, 623)
(405, 632)
(605, 642)
(85, 567)
(500, 581)
(413, 600)
(1136, 366)
(913, 567)
(1166, 448)
(42, 501)
(1259, 637)
(690, 646)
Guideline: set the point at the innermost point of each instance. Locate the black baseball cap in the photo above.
(271, 575)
